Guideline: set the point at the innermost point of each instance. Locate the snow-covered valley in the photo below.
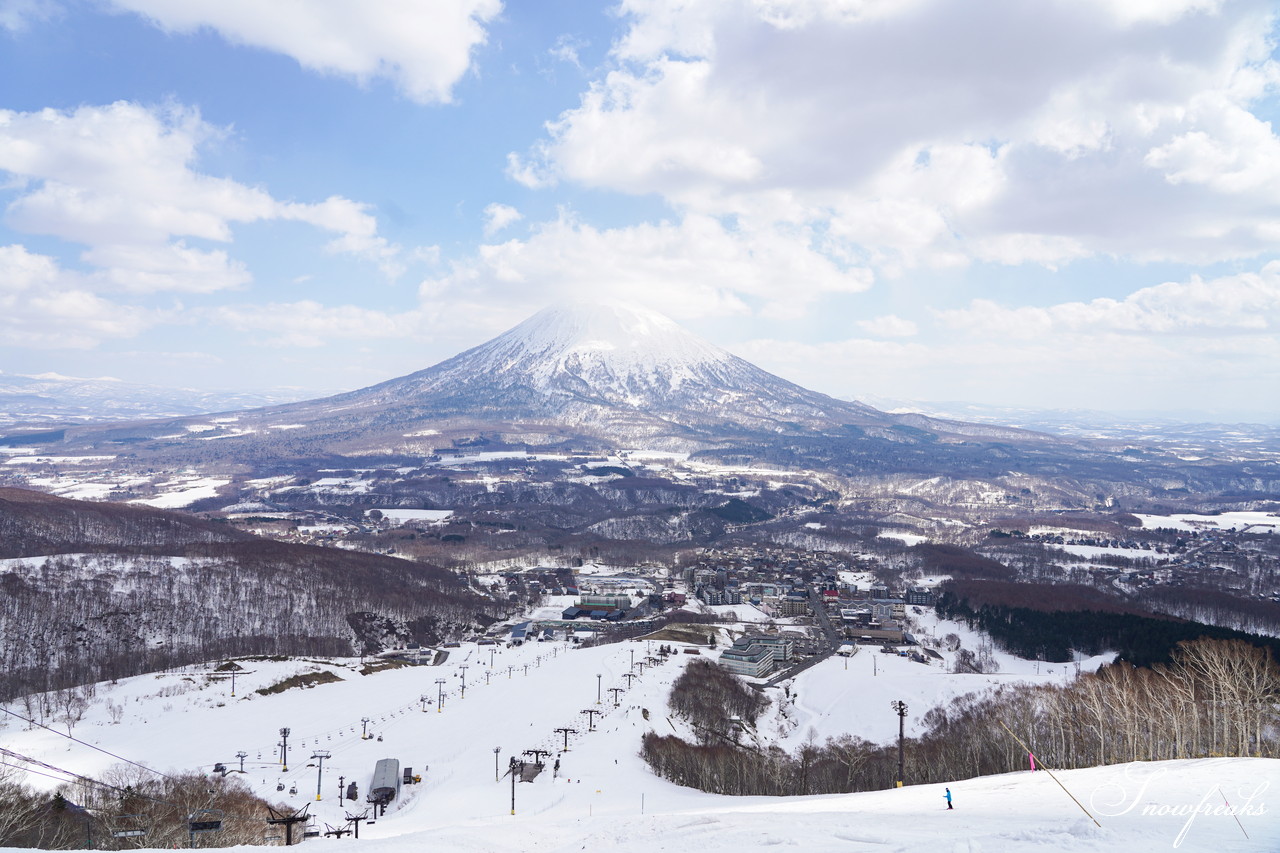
(603, 795)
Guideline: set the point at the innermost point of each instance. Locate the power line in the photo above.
(91, 746)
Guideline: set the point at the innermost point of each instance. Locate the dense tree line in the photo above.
(75, 620)
(1214, 698)
(940, 558)
(714, 702)
(1062, 621)
(147, 590)
(36, 524)
(89, 813)
(1216, 607)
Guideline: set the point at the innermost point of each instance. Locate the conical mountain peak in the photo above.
(587, 362)
(601, 342)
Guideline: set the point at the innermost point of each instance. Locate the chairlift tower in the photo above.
(591, 718)
(284, 750)
(355, 820)
(319, 755)
(900, 708)
(288, 821)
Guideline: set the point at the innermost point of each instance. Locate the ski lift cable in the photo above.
(91, 746)
(79, 777)
(35, 772)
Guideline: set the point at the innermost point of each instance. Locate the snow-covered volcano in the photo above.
(612, 374)
(623, 354)
(597, 363)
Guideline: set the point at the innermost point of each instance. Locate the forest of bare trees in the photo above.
(1216, 698)
(75, 620)
(125, 590)
(129, 808)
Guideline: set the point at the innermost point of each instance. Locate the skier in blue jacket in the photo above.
(949, 799)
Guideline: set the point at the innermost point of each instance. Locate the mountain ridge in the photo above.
(597, 378)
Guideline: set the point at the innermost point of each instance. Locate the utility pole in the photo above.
(901, 708)
(512, 773)
(486, 678)
(284, 750)
(567, 731)
(615, 691)
(364, 728)
(496, 750)
(242, 755)
(526, 669)
(633, 658)
(464, 681)
(591, 718)
(319, 755)
(440, 695)
(538, 754)
(492, 652)
(423, 700)
(628, 676)
(509, 672)
(341, 788)
(597, 688)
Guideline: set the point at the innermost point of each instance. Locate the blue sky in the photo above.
(1060, 204)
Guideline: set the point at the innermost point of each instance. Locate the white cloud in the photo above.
(1118, 372)
(170, 267)
(1248, 303)
(566, 49)
(310, 324)
(423, 49)
(1201, 344)
(121, 180)
(499, 216)
(42, 305)
(1231, 151)
(931, 133)
(692, 268)
(889, 326)
(1129, 12)
(17, 15)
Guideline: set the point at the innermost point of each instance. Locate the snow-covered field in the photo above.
(604, 798)
(401, 516)
(1261, 522)
(853, 694)
(902, 536)
(1092, 551)
(183, 491)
